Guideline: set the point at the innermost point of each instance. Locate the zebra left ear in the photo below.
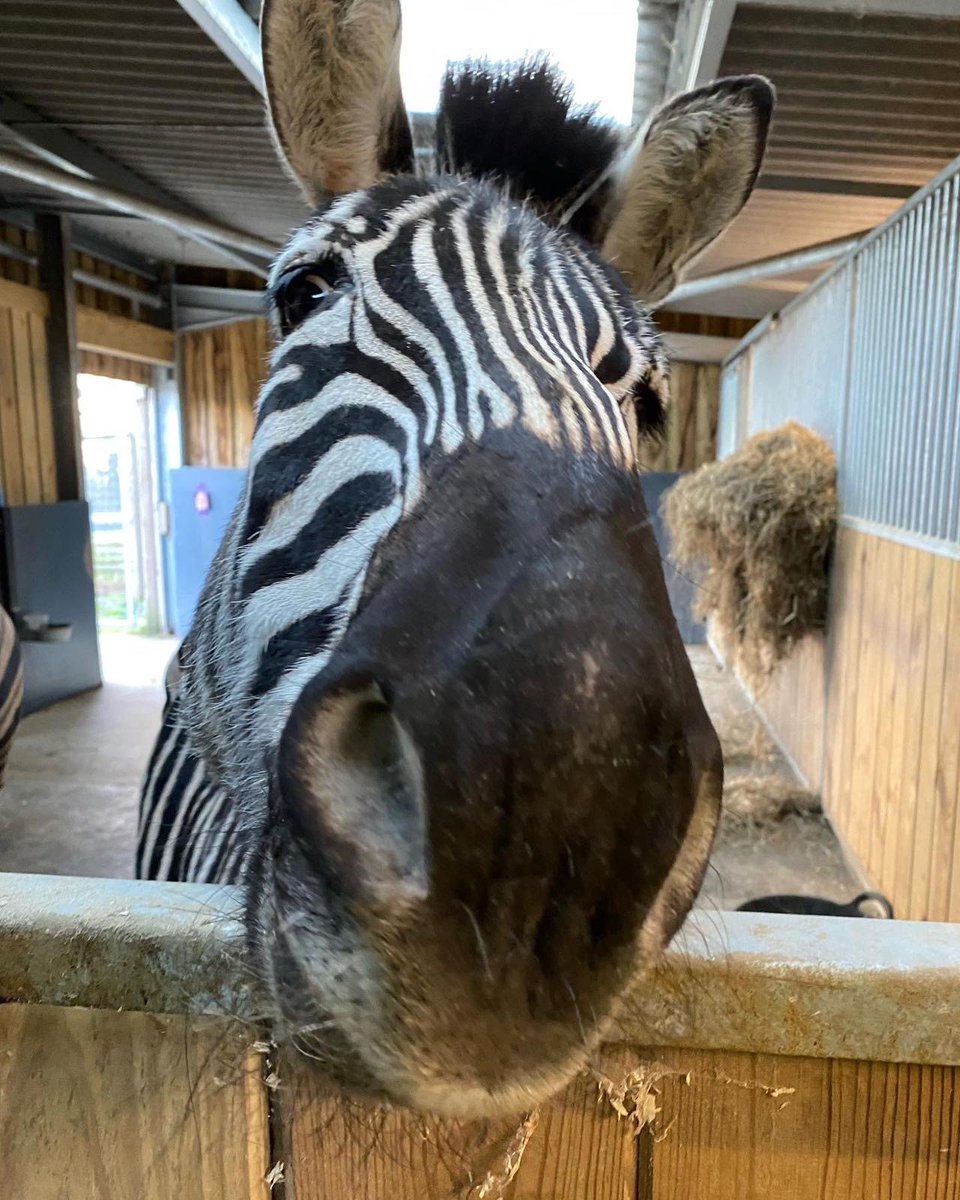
(333, 92)
(684, 180)
(351, 788)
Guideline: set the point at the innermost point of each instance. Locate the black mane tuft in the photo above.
(517, 126)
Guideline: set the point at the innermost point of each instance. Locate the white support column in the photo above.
(703, 27)
(233, 32)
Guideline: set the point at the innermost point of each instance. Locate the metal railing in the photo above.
(869, 357)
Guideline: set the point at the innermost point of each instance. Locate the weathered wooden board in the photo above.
(766, 1057)
(889, 728)
(691, 433)
(108, 333)
(128, 1106)
(222, 370)
(577, 1147)
(27, 463)
(27, 467)
(754, 1127)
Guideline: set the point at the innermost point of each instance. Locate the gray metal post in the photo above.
(56, 279)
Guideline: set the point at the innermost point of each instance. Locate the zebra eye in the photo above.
(302, 290)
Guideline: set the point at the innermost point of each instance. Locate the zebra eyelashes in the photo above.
(303, 289)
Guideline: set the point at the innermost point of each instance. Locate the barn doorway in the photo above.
(118, 421)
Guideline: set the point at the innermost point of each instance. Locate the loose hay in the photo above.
(762, 521)
(765, 797)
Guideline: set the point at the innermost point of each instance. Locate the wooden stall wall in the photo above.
(92, 361)
(221, 370)
(113, 338)
(27, 465)
(793, 703)
(871, 717)
(691, 433)
(892, 780)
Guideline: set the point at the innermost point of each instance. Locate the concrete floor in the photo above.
(70, 803)
(773, 837)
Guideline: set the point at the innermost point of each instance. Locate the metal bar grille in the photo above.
(869, 356)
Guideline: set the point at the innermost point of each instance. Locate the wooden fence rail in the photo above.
(766, 1057)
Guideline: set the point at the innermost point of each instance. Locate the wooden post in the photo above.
(56, 279)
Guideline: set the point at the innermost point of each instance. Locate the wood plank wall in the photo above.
(892, 782)
(91, 362)
(794, 703)
(128, 1104)
(27, 465)
(890, 674)
(691, 434)
(221, 370)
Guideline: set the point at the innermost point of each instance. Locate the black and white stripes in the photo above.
(509, 323)
(11, 686)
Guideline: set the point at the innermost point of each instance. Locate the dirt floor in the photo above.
(70, 804)
(773, 835)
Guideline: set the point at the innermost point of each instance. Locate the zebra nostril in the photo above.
(605, 924)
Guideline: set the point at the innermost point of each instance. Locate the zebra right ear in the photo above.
(685, 179)
(333, 92)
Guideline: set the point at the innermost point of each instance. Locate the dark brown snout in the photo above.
(508, 811)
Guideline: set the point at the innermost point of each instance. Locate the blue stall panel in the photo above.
(48, 569)
(201, 502)
(203, 498)
(682, 586)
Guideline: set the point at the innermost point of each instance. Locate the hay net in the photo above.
(762, 523)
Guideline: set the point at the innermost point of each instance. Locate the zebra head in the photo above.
(435, 664)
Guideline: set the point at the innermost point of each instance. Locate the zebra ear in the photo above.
(333, 92)
(684, 180)
(351, 788)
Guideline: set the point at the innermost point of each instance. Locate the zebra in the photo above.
(11, 687)
(434, 711)
(184, 830)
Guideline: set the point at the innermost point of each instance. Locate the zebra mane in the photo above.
(517, 125)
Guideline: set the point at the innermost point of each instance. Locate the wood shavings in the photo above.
(274, 1176)
(634, 1097)
(496, 1179)
(752, 1085)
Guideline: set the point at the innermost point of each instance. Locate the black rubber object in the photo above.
(815, 906)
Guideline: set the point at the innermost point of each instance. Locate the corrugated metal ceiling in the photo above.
(868, 105)
(877, 97)
(142, 83)
(868, 109)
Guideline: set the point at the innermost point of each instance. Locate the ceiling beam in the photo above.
(824, 186)
(698, 347)
(865, 8)
(60, 148)
(65, 152)
(233, 32)
(242, 301)
(762, 269)
(703, 27)
(199, 228)
(87, 243)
